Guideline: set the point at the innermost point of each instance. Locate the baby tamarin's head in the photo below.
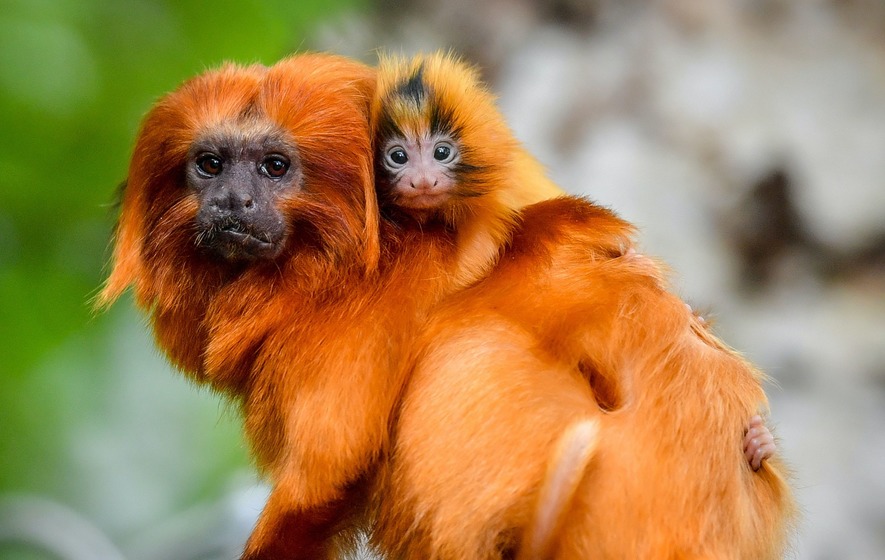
(441, 146)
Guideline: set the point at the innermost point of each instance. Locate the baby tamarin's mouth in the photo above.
(423, 200)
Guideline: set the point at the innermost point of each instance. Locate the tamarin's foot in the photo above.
(758, 443)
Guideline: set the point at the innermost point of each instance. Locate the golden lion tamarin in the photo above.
(542, 381)
(250, 231)
(446, 158)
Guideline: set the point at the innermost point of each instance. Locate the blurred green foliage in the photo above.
(76, 76)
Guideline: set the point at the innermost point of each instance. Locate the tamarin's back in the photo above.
(572, 326)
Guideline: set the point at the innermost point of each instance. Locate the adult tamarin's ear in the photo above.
(158, 159)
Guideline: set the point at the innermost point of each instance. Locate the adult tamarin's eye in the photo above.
(274, 166)
(397, 157)
(443, 152)
(209, 164)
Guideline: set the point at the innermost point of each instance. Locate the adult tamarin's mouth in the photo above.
(236, 240)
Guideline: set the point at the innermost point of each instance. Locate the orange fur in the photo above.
(572, 327)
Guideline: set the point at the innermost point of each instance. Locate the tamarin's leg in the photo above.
(285, 533)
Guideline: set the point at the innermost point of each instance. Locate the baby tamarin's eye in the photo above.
(444, 152)
(397, 157)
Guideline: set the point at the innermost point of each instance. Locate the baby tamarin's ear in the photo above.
(444, 152)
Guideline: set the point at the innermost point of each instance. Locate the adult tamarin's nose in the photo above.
(232, 201)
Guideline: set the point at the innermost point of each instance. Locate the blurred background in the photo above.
(746, 138)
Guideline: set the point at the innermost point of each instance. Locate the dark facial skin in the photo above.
(239, 180)
(421, 170)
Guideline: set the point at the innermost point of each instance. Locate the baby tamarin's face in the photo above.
(441, 145)
(420, 169)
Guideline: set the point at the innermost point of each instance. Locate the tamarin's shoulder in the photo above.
(570, 222)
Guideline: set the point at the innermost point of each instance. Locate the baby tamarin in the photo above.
(446, 158)
(543, 345)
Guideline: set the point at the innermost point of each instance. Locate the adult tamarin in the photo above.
(572, 350)
(250, 232)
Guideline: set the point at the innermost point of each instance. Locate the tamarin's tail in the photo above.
(565, 471)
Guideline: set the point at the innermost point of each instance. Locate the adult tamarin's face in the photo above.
(244, 165)
(239, 173)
